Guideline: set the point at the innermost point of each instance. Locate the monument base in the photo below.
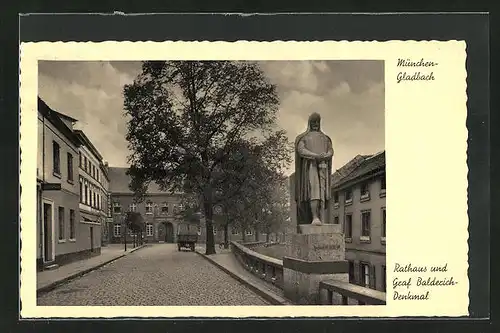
(314, 255)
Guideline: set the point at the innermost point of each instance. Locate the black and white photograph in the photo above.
(211, 183)
(243, 180)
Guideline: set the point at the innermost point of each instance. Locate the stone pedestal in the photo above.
(314, 255)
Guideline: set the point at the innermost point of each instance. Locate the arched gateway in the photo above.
(166, 232)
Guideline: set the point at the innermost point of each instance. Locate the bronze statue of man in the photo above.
(313, 168)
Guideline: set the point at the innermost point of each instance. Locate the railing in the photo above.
(267, 268)
(331, 291)
(251, 245)
(344, 293)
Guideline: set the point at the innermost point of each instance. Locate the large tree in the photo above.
(187, 119)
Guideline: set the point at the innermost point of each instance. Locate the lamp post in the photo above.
(124, 231)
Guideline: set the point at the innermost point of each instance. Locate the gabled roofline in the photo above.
(361, 178)
(54, 118)
(62, 115)
(345, 181)
(86, 141)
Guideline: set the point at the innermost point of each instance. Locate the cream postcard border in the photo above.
(426, 163)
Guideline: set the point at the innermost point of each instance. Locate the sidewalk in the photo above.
(48, 280)
(226, 261)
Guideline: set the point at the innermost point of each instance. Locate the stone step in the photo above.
(50, 267)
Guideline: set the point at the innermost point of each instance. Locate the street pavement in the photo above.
(157, 275)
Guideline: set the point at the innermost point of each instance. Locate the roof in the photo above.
(347, 168)
(119, 182)
(55, 119)
(64, 116)
(361, 165)
(86, 141)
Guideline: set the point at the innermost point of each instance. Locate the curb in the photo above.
(267, 295)
(58, 283)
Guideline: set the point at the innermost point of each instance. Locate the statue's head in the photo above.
(314, 122)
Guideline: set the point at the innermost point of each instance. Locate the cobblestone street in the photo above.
(157, 275)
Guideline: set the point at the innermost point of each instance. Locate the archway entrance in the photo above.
(169, 232)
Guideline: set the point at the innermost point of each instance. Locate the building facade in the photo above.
(106, 215)
(58, 240)
(160, 211)
(358, 192)
(93, 195)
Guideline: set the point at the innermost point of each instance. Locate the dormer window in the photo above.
(149, 208)
(164, 208)
(117, 208)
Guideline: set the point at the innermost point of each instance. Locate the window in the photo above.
(93, 199)
(234, 230)
(365, 226)
(85, 163)
(149, 229)
(117, 208)
(352, 278)
(249, 232)
(365, 275)
(199, 230)
(335, 197)
(215, 230)
(97, 174)
(86, 194)
(98, 203)
(382, 185)
(81, 190)
(61, 223)
(384, 279)
(348, 197)
(149, 208)
(164, 208)
(80, 159)
(56, 158)
(336, 220)
(383, 225)
(133, 207)
(365, 192)
(70, 167)
(348, 227)
(117, 230)
(71, 224)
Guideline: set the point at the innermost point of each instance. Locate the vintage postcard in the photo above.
(245, 179)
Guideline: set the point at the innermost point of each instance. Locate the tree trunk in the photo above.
(210, 242)
(226, 236)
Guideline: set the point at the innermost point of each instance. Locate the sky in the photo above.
(348, 94)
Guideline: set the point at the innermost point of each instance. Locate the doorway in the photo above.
(91, 239)
(48, 230)
(169, 233)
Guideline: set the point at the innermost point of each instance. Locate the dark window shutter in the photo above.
(372, 277)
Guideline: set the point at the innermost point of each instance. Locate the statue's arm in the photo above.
(304, 152)
(329, 152)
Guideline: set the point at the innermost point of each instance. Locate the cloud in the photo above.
(92, 93)
(349, 95)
